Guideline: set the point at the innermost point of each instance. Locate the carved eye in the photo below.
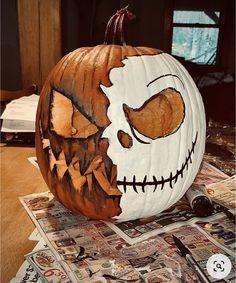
(159, 116)
(66, 120)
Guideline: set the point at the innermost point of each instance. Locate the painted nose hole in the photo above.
(125, 139)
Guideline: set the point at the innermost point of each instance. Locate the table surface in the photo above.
(18, 178)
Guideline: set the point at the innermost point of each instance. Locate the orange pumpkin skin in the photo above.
(78, 76)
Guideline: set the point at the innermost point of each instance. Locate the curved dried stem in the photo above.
(114, 33)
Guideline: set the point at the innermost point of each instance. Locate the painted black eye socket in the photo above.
(158, 117)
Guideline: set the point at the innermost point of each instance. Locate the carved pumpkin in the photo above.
(120, 131)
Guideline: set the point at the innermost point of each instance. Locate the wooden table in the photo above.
(18, 178)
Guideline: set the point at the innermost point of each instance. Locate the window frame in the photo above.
(200, 25)
(226, 21)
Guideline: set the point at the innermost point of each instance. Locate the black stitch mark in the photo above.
(134, 186)
(162, 181)
(155, 181)
(124, 184)
(144, 183)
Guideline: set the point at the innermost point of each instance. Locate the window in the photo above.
(195, 36)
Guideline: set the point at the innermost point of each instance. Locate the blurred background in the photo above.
(35, 34)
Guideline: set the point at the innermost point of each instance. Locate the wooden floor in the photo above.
(18, 178)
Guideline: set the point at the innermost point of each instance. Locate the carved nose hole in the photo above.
(125, 139)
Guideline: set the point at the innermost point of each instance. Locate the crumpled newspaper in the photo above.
(220, 147)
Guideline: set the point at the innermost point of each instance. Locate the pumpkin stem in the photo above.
(114, 33)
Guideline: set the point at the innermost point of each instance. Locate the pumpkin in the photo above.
(120, 130)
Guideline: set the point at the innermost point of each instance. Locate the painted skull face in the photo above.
(151, 116)
(119, 140)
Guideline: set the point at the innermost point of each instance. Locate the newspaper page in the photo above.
(181, 213)
(221, 230)
(209, 174)
(90, 251)
(158, 261)
(46, 265)
(33, 161)
(201, 248)
(224, 192)
(94, 253)
(26, 272)
(77, 243)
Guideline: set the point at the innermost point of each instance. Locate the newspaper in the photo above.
(74, 239)
(209, 174)
(90, 251)
(201, 248)
(223, 192)
(82, 250)
(221, 230)
(94, 252)
(46, 265)
(33, 161)
(141, 229)
(26, 272)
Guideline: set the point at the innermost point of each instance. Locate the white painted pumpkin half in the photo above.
(120, 131)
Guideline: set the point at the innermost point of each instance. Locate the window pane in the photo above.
(198, 45)
(199, 17)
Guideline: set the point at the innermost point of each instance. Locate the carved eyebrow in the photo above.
(167, 75)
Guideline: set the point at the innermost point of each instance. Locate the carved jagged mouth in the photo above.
(162, 181)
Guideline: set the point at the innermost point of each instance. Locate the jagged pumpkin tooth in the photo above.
(102, 168)
(78, 182)
(89, 178)
(94, 165)
(105, 185)
(74, 170)
(46, 143)
(52, 159)
(114, 176)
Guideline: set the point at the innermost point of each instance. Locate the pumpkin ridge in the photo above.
(62, 66)
(89, 86)
(100, 68)
(78, 63)
(80, 75)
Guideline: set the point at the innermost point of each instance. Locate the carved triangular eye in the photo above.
(66, 120)
(159, 116)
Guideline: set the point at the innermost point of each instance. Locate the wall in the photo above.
(39, 23)
(10, 55)
(84, 22)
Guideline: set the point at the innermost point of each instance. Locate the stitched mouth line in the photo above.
(172, 179)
